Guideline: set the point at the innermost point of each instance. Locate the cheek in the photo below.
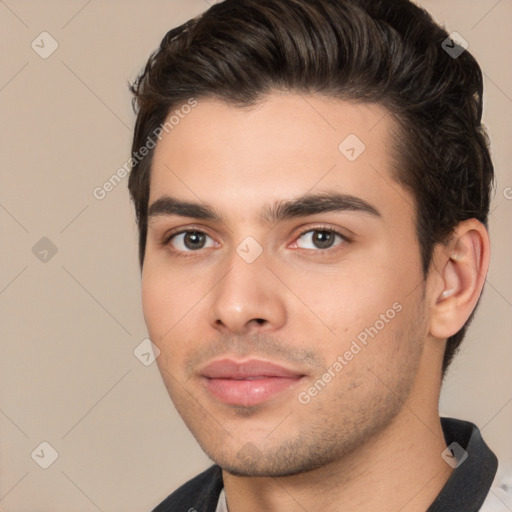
(166, 299)
(361, 307)
(162, 314)
(167, 293)
(155, 301)
(175, 307)
(345, 299)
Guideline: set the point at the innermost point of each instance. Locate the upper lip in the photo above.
(231, 369)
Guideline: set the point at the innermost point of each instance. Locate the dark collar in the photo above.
(469, 484)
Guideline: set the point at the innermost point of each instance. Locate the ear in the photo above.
(457, 277)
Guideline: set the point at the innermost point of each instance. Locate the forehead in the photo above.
(287, 145)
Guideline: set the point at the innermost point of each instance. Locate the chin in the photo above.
(284, 461)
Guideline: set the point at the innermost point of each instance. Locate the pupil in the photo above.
(323, 239)
(194, 240)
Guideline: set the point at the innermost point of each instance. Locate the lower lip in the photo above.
(249, 392)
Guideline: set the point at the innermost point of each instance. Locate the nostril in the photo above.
(260, 320)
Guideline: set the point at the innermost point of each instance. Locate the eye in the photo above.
(320, 239)
(187, 241)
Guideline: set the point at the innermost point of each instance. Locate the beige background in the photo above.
(68, 374)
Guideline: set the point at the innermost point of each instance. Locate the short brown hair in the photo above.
(389, 52)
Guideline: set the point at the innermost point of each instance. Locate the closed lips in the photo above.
(247, 383)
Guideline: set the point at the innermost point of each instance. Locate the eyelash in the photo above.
(187, 254)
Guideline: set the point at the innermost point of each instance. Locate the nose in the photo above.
(248, 299)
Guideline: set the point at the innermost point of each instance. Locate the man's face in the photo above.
(290, 327)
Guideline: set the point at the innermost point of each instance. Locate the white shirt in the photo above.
(499, 498)
(222, 505)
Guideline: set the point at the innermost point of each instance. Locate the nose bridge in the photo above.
(247, 295)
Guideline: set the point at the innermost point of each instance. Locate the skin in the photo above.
(375, 424)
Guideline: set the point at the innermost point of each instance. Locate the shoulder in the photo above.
(200, 494)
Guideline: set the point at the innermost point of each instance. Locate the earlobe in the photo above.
(461, 269)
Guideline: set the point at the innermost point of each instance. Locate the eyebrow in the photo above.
(309, 204)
